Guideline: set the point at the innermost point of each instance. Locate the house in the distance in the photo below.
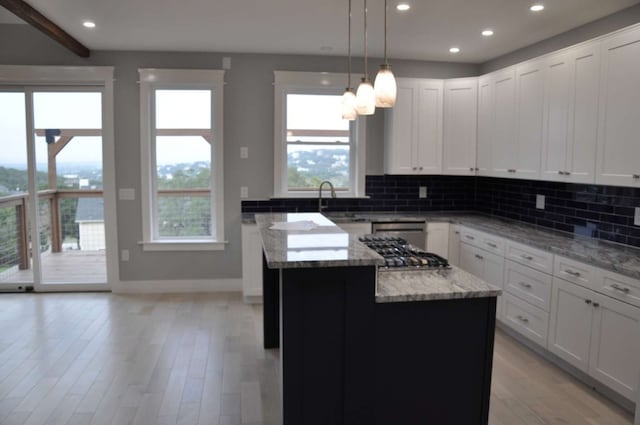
(90, 219)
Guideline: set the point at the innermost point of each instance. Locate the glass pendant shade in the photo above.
(385, 87)
(365, 98)
(349, 105)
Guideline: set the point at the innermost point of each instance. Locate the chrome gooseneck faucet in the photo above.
(333, 194)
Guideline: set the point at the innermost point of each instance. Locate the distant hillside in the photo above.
(309, 168)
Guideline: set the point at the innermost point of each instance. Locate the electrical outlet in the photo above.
(124, 255)
(636, 219)
(422, 193)
(226, 62)
(540, 202)
(244, 152)
(244, 192)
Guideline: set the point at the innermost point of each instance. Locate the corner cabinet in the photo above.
(413, 128)
(571, 115)
(251, 261)
(485, 126)
(460, 126)
(619, 124)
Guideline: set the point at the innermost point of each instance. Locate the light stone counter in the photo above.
(323, 246)
(424, 285)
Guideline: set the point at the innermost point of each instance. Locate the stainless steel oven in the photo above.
(414, 232)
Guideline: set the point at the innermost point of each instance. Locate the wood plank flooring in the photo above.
(64, 267)
(86, 359)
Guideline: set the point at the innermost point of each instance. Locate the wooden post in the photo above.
(56, 227)
(23, 240)
(53, 149)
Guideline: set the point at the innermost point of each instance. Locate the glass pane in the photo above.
(309, 165)
(183, 163)
(183, 109)
(184, 216)
(315, 112)
(72, 110)
(15, 260)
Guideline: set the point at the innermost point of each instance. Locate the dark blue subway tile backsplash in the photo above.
(604, 212)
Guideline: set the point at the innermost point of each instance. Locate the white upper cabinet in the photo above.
(530, 108)
(413, 128)
(571, 115)
(503, 146)
(460, 126)
(485, 125)
(619, 124)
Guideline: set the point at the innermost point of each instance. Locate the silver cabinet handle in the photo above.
(420, 168)
(587, 301)
(526, 257)
(469, 237)
(620, 288)
(526, 285)
(522, 319)
(561, 173)
(415, 168)
(471, 169)
(567, 173)
(492, 245)
(572, 273)
(596, 305)
(479, 257)
(511, 170)
(457, 232)
(636, 176)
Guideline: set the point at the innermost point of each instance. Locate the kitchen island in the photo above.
(358, 346)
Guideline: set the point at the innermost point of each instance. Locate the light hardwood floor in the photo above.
(198, 359)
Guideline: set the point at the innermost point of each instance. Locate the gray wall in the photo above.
(594, 29)
(248, 121)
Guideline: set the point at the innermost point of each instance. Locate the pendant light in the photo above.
(365, 98)
(349, 98)
(385, 84)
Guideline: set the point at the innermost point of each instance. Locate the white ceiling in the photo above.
(320, 26)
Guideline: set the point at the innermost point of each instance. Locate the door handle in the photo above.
(620, 288)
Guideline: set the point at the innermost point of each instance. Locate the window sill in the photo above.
(184, 245)
(314, 195)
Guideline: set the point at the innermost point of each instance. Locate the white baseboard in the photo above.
(173, 286)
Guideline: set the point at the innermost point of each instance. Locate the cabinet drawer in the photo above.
(525, 318)
(483, 240)
(532, 257)
(528, 284)
(574, 271)
(620, 287)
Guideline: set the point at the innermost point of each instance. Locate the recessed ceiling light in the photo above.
(454, 50)
(89, 24)
(403, 7)
(487, 33)
(536, 7)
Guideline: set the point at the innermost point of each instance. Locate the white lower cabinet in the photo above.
(251, 261)
(527, 284)
(438, 238)
(454, 245)
(597, 334)
(525, 318)
(487, 266)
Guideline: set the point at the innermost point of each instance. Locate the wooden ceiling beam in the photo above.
(28, 14)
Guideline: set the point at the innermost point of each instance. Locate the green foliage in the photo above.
(8, 237)
(307, 169)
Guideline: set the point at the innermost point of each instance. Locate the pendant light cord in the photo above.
(349, 50)
(386, 27)
(366, 74)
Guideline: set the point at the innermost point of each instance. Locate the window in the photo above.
(312, 141)
(181, 131)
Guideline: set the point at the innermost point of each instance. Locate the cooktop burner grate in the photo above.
(399, 255)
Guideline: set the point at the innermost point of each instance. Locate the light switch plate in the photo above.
(244, 192)
(422, 192)
(124, 255)
(244, 152)
(540, 202)
(636, 219)
(226, 62)
(127, 194)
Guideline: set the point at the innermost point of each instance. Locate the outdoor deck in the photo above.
(64, 267)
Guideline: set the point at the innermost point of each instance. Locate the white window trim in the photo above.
(151, 79)
(321, 83)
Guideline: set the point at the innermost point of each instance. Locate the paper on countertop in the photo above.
(293, 225)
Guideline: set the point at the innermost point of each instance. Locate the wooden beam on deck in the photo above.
(36, 19)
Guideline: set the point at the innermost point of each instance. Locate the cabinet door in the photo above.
(428, 150)
(619, 123)
(251, 261)
(571, 115)
(615, 347)
(438, 238)
(401, 131)
(460, 126)
(485, 125)
(504, 152)
(571, 319)
(471, 260)
(530, 107)
(454, 245)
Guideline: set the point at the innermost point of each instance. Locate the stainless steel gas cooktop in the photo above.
(399, 255)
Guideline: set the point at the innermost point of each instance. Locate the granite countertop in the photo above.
(324, 245)
(426, 285)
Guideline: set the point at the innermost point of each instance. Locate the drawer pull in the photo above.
(471, 169)
(469, 237)
(511, 170)
(636, 176)
(522, 319)
(572, 273)
(526, 257)
(492, 245)
(620, 288)
(587, 301)
(479, 257)
(596, 305)
(457, 232)
(526, 285)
